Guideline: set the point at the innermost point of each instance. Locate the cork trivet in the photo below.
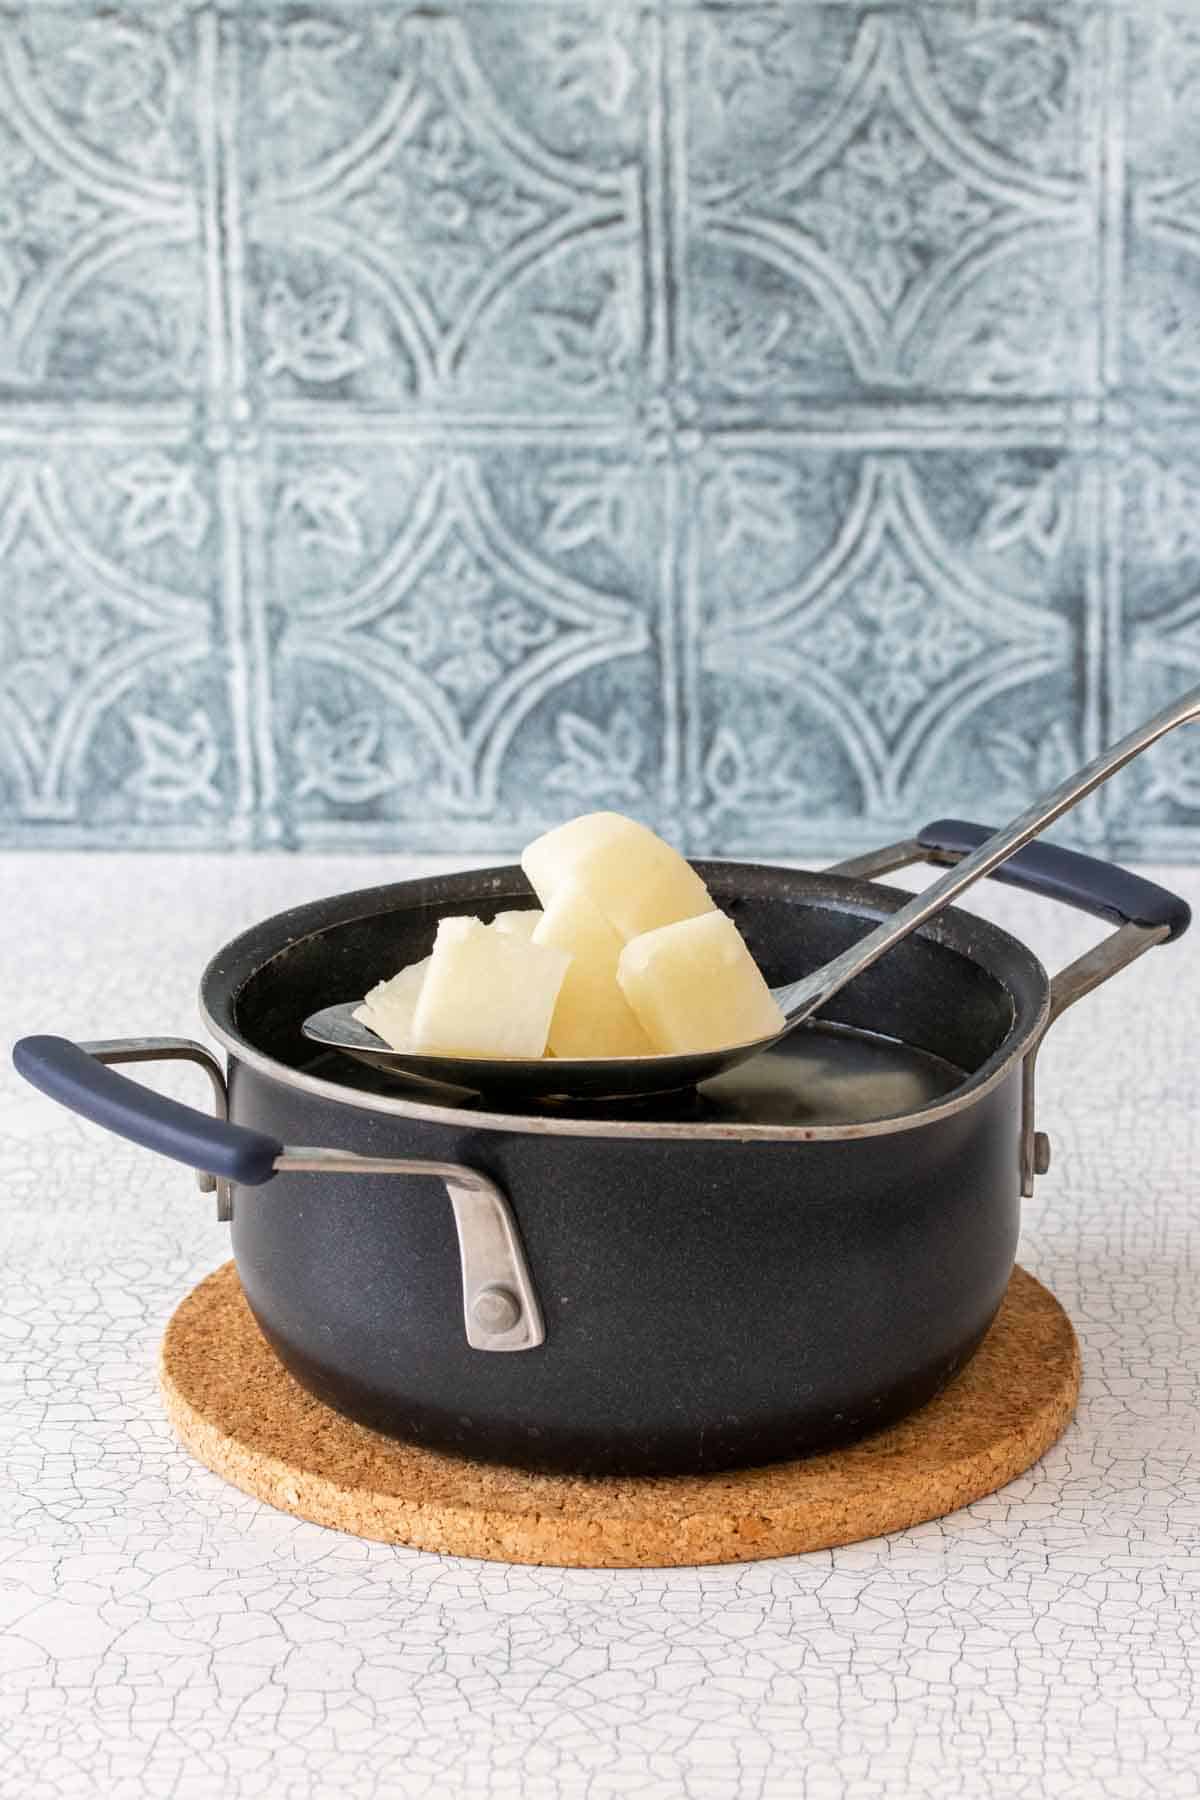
(238, 1410)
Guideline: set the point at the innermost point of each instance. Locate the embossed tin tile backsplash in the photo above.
(420, 424)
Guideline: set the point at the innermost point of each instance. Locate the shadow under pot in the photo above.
(798, 1253)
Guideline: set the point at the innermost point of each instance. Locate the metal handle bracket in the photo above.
(171, 1049)
(1093, 886)
(500, 1303)
(1112, 954)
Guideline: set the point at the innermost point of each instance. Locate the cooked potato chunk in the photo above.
(486, 993)
(388, 1009)
(520, 924)
(636, 881)
(628, 956)
(695, 986)
(592, 1017)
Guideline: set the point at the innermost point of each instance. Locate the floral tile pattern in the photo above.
(778, 420)
(931, 256)
(421, 673)
(111, 680)
(101, 265)
(898, 653)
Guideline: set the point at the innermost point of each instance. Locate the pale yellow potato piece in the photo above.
(592, 1017)
(520, 924)
(389, 1007)
(456, 928)
(486, 993)
(637, 881)
(695, 986)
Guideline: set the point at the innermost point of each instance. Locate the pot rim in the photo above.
(970, 931)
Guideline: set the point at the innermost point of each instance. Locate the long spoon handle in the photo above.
(802, 998)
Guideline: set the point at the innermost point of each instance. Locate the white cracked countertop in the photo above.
(163, 1635)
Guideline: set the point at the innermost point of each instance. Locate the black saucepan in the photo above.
(727, 1277)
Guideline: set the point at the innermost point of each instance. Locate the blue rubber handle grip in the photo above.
(1082, 881)
(87, 1087)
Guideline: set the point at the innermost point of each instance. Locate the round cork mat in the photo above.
(240, 1413)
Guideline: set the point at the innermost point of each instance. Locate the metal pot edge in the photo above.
(1023, 1036)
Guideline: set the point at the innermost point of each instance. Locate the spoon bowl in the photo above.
(527, 1077)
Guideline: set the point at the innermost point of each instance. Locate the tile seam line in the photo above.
(247, 497)
(218, 419)
(662, 370)
(1114, 123)
(207, 27)
(1113, 177)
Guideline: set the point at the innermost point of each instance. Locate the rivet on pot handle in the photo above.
(500, 1303)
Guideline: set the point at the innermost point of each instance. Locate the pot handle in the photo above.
(68, 1073)
(1096, 887)
(1144, 913)
(500, 1303)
